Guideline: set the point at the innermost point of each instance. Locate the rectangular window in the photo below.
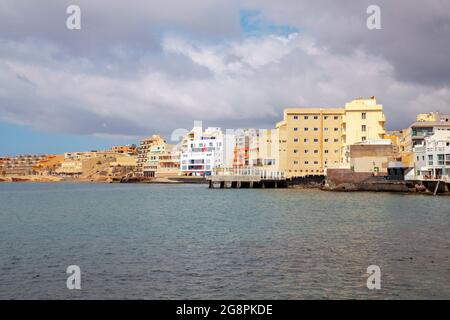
(295, 117)
(325, 117)
(363, 116)
(295, 129)
(326, 151)
(306, 117)
(295, 151)
(295, 139)
(306, 129)
(326, 140)
(316, 117)
(336, 129)
(336, 117)
(316, 129)
(316, 140)
(363, 128)
(440, 159)
(363, 138)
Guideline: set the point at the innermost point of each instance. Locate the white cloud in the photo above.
(248, 83)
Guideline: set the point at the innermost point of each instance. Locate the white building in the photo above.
(205, 151)
(432, 158)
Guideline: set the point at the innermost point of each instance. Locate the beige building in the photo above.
(161, 160)
(371, 156)
(264, 149)
(144, 150)
(312, 139)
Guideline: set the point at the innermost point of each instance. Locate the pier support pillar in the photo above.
(251, 184)
(238, 184)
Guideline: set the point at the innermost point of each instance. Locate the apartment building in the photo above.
(241, 152)
(432, 158)
(144, 150)
(163, 160)
(169, 162)
(264, 150)
(209, 150)
(419, 130)
(312, 139)
(21, 165)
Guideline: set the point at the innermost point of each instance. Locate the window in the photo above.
(316, 162)
(363, 138)
(316, 140)
(295, 117)
(305, 140)
(440, 159)
(326, 140)
(325, 129)
(363, 116)
(295, 151)
(306, 117)
(363, 128)
(336, 140)
(316, 151)
(336, 129)
(316, 129)
(306, 129)
(326, 151)
(306, 151)
(306, 162)
(430, 159)
(316, 117)
(295, 162)
(295, 139)
(336, 117)
(295, 129)
(325, 117)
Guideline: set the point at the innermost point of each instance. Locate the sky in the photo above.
(141, 67)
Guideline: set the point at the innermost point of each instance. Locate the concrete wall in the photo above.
(338, 176)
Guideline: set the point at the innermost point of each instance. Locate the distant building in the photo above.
(418, 131)
(264, 150)
(432, 157)
(433, 117)
(163, 160)
(129, 149)
(21, 165)
(144, 150)
(207, 151)
(313, 139)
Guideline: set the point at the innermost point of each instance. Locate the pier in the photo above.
(246, 178)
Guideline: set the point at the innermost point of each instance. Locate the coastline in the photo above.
(401, 187)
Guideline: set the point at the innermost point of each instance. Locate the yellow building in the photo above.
(312, 139)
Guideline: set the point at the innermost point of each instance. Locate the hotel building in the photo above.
(312, 139)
